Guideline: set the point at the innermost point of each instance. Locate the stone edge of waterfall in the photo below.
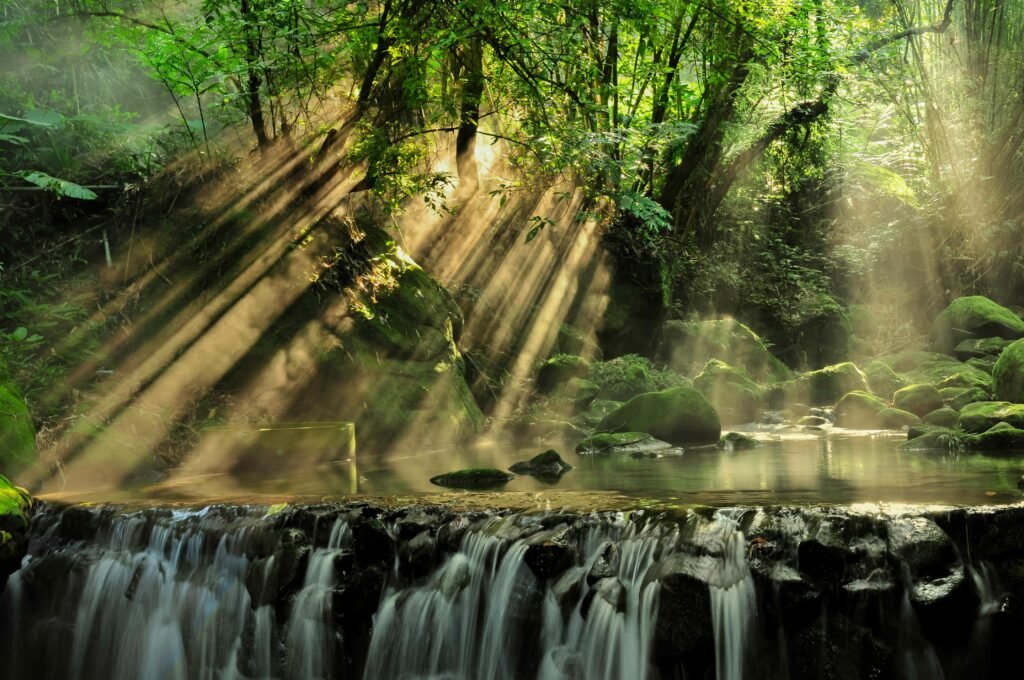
(890, 577)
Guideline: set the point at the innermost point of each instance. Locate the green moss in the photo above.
(966, 396)
(1008, 374)
(732, 392)
(897, 419)
(859, 410)
(920, 399)
(687, 345)
(882, 379)
(942, 417)
(975, 316)
(680, 416)
(604, 442)
(473, 478)
(737, 441)
(625, 377)
(937, 369)
(1001, 437)
(827, 385)
(559, 369)
(17, 432)
(980, 348)
(982, 416)
(15, 505)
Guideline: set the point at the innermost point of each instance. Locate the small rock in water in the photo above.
(545, 465)
(736, 441)
(813, 421)
(473, 478)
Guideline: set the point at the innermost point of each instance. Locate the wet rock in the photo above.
(942, 417)
(604, 565)
(78, 523)
(999, 437)
(371, 542)
(271, 580)
(622, 442)
(736, 441)
(567, 588)
(921, 545)
(608, 590)
(683, 626)
(982, 416)
(1008, 374)
(417, 557)
(549, 558)
(545, 465)
(813, 421)
(473, 478)
(836, 648)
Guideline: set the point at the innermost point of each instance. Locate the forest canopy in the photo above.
(762, 156)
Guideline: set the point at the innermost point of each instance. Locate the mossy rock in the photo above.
(732, 392)
(941, 370)
(859, 410)
(686, 346)
(942, 417)
(737, 441)
(827, 385)
(986, 364)
(17, 432)
(965, 396)
(924, 428)
(681, 416)
(1008, 374)
(548, 464)
(980, 348)
(580, 391)
(559, 369)
(1001, 437)
(974, 316)
(473, 478)
(623, 442)
(599, 408)
(982, 416)
(897, 419)
(15, 510)
(627, 376)
(882, 380)
(919, 399)
(936, 439)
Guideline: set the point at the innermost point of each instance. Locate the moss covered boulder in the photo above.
(859, 409)
(732, 392)
(559, 369)
(681, 416)
(737, 441)
(1008, 374)
(980, 348)
(964, 396)
(882, 380)
(827, 385)
(686, 346)
(897, 419)
(982, 416)
(15, 508)
(919, 399)
(942, 417)
(1000, 437)
(473, 478)
(17, 433)
(937, 369)
(975, 316)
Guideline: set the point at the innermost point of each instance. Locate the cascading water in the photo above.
(333, 592)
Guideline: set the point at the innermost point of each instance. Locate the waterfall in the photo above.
(733, 605)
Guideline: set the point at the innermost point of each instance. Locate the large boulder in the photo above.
(827, 385)
(687, 345)
(680, 416)
(882, 379)
(732, 392)
(982, 416)
(859, 409)
(1008, 374)
(17, 433)
(974, 317)
(919, 399)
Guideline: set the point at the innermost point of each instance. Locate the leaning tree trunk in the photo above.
(469, 114)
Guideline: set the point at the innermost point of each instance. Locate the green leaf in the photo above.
(532, 234)
(19, 334)
(61, 187)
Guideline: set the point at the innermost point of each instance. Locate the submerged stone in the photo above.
(473, 478)
(736, 441)
(623, 442)
(546, 464)
(681, 416)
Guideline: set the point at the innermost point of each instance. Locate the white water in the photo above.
(733, 604)
(468, 620)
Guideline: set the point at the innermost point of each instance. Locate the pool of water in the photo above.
(836, 467)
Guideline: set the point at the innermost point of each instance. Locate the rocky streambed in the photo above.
(349, 590)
